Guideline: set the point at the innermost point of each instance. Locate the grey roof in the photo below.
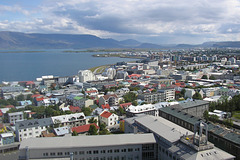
(162, 127)
(15, 113)
(228, 135)
(193, 103)
(34, 123)
(188, 153)
(87, 141)
(61, 130)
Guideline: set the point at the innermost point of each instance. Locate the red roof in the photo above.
(9, 106)
(30, 82)
(105, 106)
(84, 128)
(92, 91)
(36, 95)
(125, 104)
(106, 114)
(74, 109)
(39, 99)
(1, 114)
(134, 75)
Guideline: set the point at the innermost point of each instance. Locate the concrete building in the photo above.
(15, 116)
(31, 128)
(108, 147)
(149, 109)
(195, 107)
(72, 120)
(6, 138)
(169, 94)
(189, 93)
(86, 75)
(175, 142)
(108, 118)
(223, 138)
(152, 97)
(111, 99)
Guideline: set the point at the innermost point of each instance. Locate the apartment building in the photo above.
(101, 147)
(14, 117)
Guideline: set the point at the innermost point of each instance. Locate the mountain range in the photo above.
(18, 40)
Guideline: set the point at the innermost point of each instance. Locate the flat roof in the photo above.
(87, 141)
(164, 128)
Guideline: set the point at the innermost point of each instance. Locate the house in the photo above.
(108, 118)
(72, 120)
(111, 99)
(84, 128)
(79, 101)
(122, 91)
(16, 116)
(32, 128)
(6, 138)
(106, 106)
(125, 105)
(74, 109)
(25, 103)
(141, 109)
(91, 92)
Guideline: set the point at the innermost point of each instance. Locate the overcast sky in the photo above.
(155, 21)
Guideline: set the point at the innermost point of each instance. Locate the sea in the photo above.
(18, 65)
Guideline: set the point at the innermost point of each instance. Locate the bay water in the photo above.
(29, 65)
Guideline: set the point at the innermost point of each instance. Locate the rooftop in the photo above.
(87, 141)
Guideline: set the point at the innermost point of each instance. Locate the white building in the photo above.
(73, 120)
(31, 128)
(189, 93)
(142, 109)
(16, 116)
(108, 118)
(86, 75)
(110, 73)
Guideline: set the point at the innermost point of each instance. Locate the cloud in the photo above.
(165, 21)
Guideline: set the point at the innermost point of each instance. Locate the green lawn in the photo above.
(236, 114)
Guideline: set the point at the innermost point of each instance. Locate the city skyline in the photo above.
(159, 22)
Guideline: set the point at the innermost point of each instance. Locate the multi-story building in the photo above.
(108, 147)
(175, 142)
(152, 97)
(108, 99)
(32, 128)
(72, 120)
(15, 116)
(108, 118)
(86, 75)
(223, 138)
(141, 109)
(195, 107)
(6, 138)
(169, 94)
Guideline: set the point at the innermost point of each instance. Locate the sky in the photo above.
(151, 21)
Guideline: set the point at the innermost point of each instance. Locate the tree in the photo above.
(204, 77)
(197, 95)
(92, 130)
(87, 111)
(130, 97)
(74, 133)
(121, 111)
(103, 130)
(183, 91)
(206, 115)
(134, 103)
(92, 120)
(20, 97)
(212, 77)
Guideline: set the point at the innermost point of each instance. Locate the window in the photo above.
(89, 152)
(36, 127)
(130, 149)
(59, 153)
(124, 150)
(75, 153)
(116, 150)
(81, 152)
(30, 134)
(25, 130)
(52, 154)
(45, 154)
(67, 153)
(137, 149)
(25, 134)
(95, 152)
(102, 151)
(110, 151)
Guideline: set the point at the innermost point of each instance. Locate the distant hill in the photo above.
(18, 40)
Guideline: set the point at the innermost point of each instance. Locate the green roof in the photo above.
(78, 98)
